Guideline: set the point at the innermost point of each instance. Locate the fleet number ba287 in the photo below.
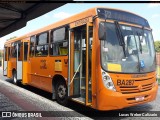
(125, 82)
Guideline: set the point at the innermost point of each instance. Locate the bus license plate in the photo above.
(139, 98)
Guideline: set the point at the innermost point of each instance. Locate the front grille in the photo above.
(145, 79)
(135, 89)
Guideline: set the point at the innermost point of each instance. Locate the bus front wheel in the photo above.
(61, 93)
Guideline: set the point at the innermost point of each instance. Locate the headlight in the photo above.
(107, 81)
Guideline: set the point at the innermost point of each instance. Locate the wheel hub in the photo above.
(61, 91)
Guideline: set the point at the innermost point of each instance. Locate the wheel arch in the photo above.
(57, 78)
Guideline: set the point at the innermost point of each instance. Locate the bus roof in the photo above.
(87, 13)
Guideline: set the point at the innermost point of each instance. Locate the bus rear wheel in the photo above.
(61, 93)
(15, 81)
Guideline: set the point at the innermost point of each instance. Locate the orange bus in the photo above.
(103, 58)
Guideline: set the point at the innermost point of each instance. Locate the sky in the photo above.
(150, 11)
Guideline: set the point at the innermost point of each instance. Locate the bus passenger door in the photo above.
(19, 59)
(5, 60)
(25, 63)
(89, 38)
(80, 64)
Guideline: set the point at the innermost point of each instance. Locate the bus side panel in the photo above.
(33, 71)
(4, 63)
(43, 69)
(46, 84)
(47, 72)
(57, 68)
(12, 64)
(40, 73)
(54, 69)
(9, 69)
(25, 74)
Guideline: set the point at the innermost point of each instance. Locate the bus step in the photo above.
(84, 88)
(79, 99)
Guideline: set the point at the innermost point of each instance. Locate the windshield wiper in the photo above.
(120, 37)
(140, 45)
(143, 37)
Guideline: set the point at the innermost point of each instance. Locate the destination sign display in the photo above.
(81, 22)
(121, 16)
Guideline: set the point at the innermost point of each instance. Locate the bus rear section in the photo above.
(15, 60)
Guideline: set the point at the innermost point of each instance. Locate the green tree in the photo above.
(1, 53)
(11, 38)
(157, 46)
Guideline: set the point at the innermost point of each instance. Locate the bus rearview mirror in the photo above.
(102, 31)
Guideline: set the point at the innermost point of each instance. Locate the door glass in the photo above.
(20, 51)
(90, 36)
(80, 63)
(25, 51)
(9, 53)
(80, 59)
(5, 54)
(77, 65)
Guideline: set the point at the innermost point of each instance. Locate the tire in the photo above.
(61, 93)
(15, 81)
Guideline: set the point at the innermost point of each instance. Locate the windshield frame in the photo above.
(135, 26)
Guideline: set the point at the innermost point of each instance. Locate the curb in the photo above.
(30, 95)
(25, 92)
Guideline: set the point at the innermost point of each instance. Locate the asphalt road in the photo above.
(32, 99)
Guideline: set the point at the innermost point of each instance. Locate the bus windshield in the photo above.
(135, 55)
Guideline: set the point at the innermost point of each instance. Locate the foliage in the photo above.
(157, 46)
(1, 54)
(158, 71)
(11, 38)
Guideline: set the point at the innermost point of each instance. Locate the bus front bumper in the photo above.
(109, 100)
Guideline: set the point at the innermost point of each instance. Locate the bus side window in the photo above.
(5, 49)
(25, 52)
(13, 50)
(41, 49)
(59, 42)
(20, 51)
(32, 45)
